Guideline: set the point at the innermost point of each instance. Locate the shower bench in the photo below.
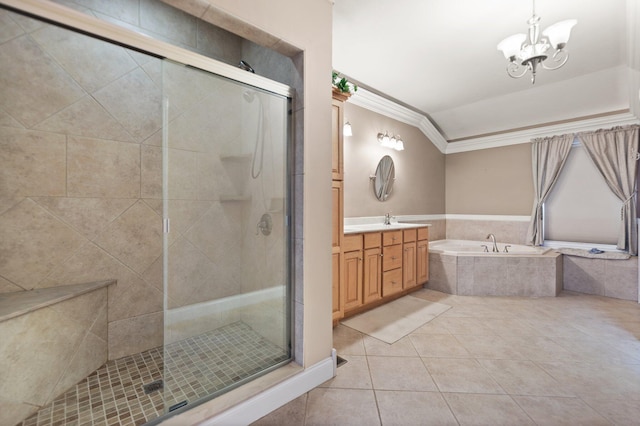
(51, 339)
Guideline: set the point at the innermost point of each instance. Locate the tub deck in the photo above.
(530, 273)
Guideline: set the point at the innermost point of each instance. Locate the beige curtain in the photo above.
(614, 153)
(549, 156)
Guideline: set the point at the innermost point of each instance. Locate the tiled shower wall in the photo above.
(80, 167)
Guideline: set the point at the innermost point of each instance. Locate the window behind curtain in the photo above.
(581, 207)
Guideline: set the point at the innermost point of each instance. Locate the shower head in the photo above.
(245, 66)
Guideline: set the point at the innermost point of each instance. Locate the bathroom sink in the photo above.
(379, 227)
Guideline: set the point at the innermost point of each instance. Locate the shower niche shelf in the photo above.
(236, 158)
(234, 198)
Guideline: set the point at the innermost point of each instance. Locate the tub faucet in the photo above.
(493, 239)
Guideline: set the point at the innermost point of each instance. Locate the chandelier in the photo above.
(527, 53)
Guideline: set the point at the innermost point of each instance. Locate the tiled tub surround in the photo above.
(494, 274)
(611, 278)
(50, 339)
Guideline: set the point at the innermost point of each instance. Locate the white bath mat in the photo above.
(394, 320)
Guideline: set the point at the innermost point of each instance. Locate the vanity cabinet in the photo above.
(352, 272)
(372, 284)
(409, 258)
(378, 267)
(391, 262)
(422, 256)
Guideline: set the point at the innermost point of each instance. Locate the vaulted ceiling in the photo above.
(439, 57)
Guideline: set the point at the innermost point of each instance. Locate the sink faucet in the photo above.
(387, 219)
(493, 239)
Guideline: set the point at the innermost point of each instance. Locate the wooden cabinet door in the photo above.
(338, 303)
(337, 125)
(372, 285)
(409, 265)
(422, 262)
(352, 279)
(338, 219)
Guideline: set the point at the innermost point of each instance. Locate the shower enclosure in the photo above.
(170, 176)
(225, 202)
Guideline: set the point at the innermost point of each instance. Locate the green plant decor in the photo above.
(342, 84)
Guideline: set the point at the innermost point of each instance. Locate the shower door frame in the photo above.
(76, 21)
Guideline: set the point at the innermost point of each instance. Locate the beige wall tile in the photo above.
(99, 168)
(9, 28)
(135, 101)
(134, 238)
(151, 172)
(12, 411)
(86, 118)
(7, 121)
(583, 275)
(168, 22)
(88, 216)
(32, 243)
(31, 163)
(31, 76)
(91, 62)
(133, 335)
(191, 276)
(130, 296)
(41, 361)
(7, 286)
(124, 10)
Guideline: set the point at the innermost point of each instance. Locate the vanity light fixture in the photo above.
(525, 54)
(346, 130)
(393, 142)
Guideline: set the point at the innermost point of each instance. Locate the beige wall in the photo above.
(496, 181)
(419, 185)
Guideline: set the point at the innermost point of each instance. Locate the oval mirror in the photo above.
(383, 179)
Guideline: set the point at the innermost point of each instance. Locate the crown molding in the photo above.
(525, 136)
(376, 103)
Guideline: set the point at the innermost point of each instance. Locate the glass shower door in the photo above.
(226, 236)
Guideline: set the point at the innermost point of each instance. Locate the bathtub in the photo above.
(465, 247)
(463, 267)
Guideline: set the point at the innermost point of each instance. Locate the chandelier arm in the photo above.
(560, 57)
(515, 70)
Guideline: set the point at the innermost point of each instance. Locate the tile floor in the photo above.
(193, 368)
(569, 360)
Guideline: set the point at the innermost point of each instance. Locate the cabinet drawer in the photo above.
(372, 239)
(390, 238)
(423, 233)
(352, 242)
(391, 257)
(391, 282)
(409, 235)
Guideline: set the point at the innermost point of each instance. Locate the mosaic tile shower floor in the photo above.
(195, 367)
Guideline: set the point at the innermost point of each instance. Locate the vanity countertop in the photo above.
(381, 227)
